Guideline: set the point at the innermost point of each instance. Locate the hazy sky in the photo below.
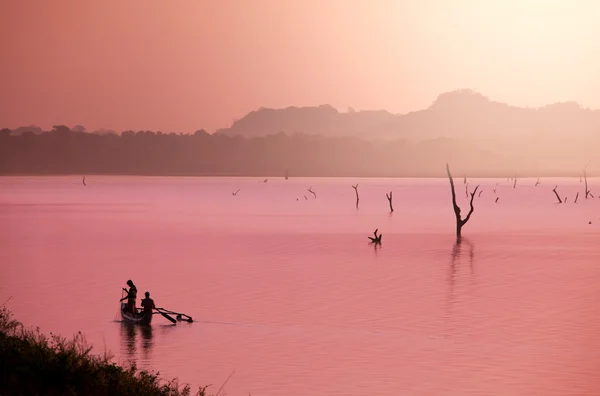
(185, 65)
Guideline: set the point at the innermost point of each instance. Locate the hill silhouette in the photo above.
(477, 135)
(322, 120)
(555, 137)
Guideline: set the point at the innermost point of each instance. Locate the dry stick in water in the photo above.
(459, 222)
(557, 196)
(587, 192)
(377, 239)
(467, 190)
(389, 197)
(515, 184)
(537, 182)
(7, 300)
(310, 190)
(356, 191)
(576, 196)
(497, 198)
(221, 388)
(479, 195)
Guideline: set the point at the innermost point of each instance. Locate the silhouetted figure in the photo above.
(148, 303)
(131, 297)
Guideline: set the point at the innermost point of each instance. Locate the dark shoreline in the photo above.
(32, 363)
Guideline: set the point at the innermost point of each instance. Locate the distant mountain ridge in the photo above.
(321, 120)
(458, 114)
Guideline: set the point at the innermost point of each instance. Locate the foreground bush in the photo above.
(34, 364)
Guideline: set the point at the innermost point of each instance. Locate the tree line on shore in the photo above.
(72, 151)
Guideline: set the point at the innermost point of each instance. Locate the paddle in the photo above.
(167, 316)
(180, 316)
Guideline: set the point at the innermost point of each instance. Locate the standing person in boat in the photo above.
(131, 297)
(148, 304)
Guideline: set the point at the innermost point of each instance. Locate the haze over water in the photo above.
(288, 294)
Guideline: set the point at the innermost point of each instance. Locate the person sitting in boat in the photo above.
(131, 297)
(148, 304)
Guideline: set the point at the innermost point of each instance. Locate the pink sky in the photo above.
(191, 64)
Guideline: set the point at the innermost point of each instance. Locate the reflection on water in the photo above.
(147, 343)
(459, 259)
(133, 335)
(291, 296)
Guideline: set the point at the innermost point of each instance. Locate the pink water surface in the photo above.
(289, 296)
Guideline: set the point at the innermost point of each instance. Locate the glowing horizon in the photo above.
(192, 65)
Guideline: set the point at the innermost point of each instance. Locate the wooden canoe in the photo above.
(139, 318)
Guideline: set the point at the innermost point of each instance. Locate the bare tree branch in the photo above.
(587, 192)
(459, 222)
(389, 197)
(557, 196)
(377, 239)
(356, 191)
(310, 190)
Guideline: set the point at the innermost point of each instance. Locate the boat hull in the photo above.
(140, 318)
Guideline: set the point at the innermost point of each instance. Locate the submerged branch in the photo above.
(557, 196)
(389, 197)
(356, 191)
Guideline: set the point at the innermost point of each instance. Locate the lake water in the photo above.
(288, 295)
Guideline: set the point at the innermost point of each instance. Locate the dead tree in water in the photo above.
(587, 192)
(389, 197)
(467, 190)
(310, 190)
(557, 196)
(515, 184)
(497, 198)
(537, 182)
(356, 191)
(576, 196)
(459, 221)
(479, 195)
(377, 239)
